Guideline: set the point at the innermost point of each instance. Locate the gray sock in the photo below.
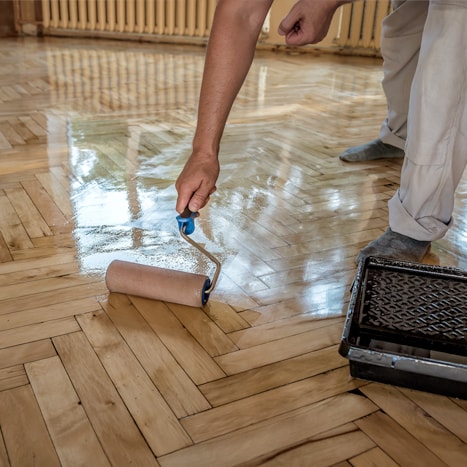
(396, 246)
(371, 151)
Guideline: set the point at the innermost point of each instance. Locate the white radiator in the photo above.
(163, 17)
(356, 27)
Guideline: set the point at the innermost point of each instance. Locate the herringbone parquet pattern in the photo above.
(93, 134)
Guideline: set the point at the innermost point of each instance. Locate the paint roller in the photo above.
(168, 285)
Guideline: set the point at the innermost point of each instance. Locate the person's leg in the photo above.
(400, 44)
(436, 149)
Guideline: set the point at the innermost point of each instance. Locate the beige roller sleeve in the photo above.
(157, 283)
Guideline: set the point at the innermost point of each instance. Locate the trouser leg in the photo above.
(400, 44)
(436, 148)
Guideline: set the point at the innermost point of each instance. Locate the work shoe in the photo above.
(396, 246)
(371, 151)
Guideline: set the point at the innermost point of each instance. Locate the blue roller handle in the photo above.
(186, 221)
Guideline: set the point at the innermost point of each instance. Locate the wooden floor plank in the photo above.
(70, 430)
(150, 411)
(272, 436)
(398, 443)
(373, 457)
(32, 220)
(443, 410)
(328, 449)
(168, 376)
(205, 331)
(407, 414)
(277, 374)
(12, 377)
(281, 349)
(243, 412)
(54, 296)
(103, 405)
(4, 461)
(47, 313)
(28, 352)
(26, 438)
(196, 361)
(37, 332)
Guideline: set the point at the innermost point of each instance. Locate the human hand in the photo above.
(197, 182)
(308, 21)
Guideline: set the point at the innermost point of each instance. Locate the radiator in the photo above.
(355, 29)
(163, 17)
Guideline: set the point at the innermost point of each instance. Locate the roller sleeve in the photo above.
(157, 283)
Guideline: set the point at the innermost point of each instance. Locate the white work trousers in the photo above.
(424, 48)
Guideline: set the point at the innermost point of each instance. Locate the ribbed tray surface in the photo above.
(419, 305)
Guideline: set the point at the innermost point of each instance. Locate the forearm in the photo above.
(229, 55)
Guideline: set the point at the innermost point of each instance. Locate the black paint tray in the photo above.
(406, 325)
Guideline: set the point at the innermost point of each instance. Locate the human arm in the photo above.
(308, 21)
(232, 43)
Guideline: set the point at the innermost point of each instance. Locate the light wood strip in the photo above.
(104, 407)
(55, 244)
(4, 143)
(271, 376)
(205, 331)
(34, 264)
(13, 232)
(407, 414)
(47, 207)
(398, 443)
(5, 256)
(372, 458)
(12, 377)
(323, 450)
(57, 192)
(4, 461)
(445, 411)
(310, 290)
(47, 313)
(169, 377)
(194, 359)
(41, 285)
(241, 413)
(70, 430)
(281, 349)
(51, 297)
(24, 432)
(330, 303)
(258, 335)
(32, 125)
(225, 316)
(31, 274)
(273, 436)
(29, 352)
(37, 332)
(153, 416)
(32, 220)
(10, 134)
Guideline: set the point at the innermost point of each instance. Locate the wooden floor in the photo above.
(92, 137)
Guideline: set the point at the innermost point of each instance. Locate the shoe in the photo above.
(396, 246)
(371, 151)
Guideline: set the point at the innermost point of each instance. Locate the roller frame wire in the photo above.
(206, 253)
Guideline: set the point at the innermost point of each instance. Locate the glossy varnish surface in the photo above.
(92, 137)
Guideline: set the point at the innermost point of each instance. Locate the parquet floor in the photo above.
(92, 136)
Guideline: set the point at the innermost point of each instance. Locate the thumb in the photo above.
(289, 22)
(285, 26)
(197, 201)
